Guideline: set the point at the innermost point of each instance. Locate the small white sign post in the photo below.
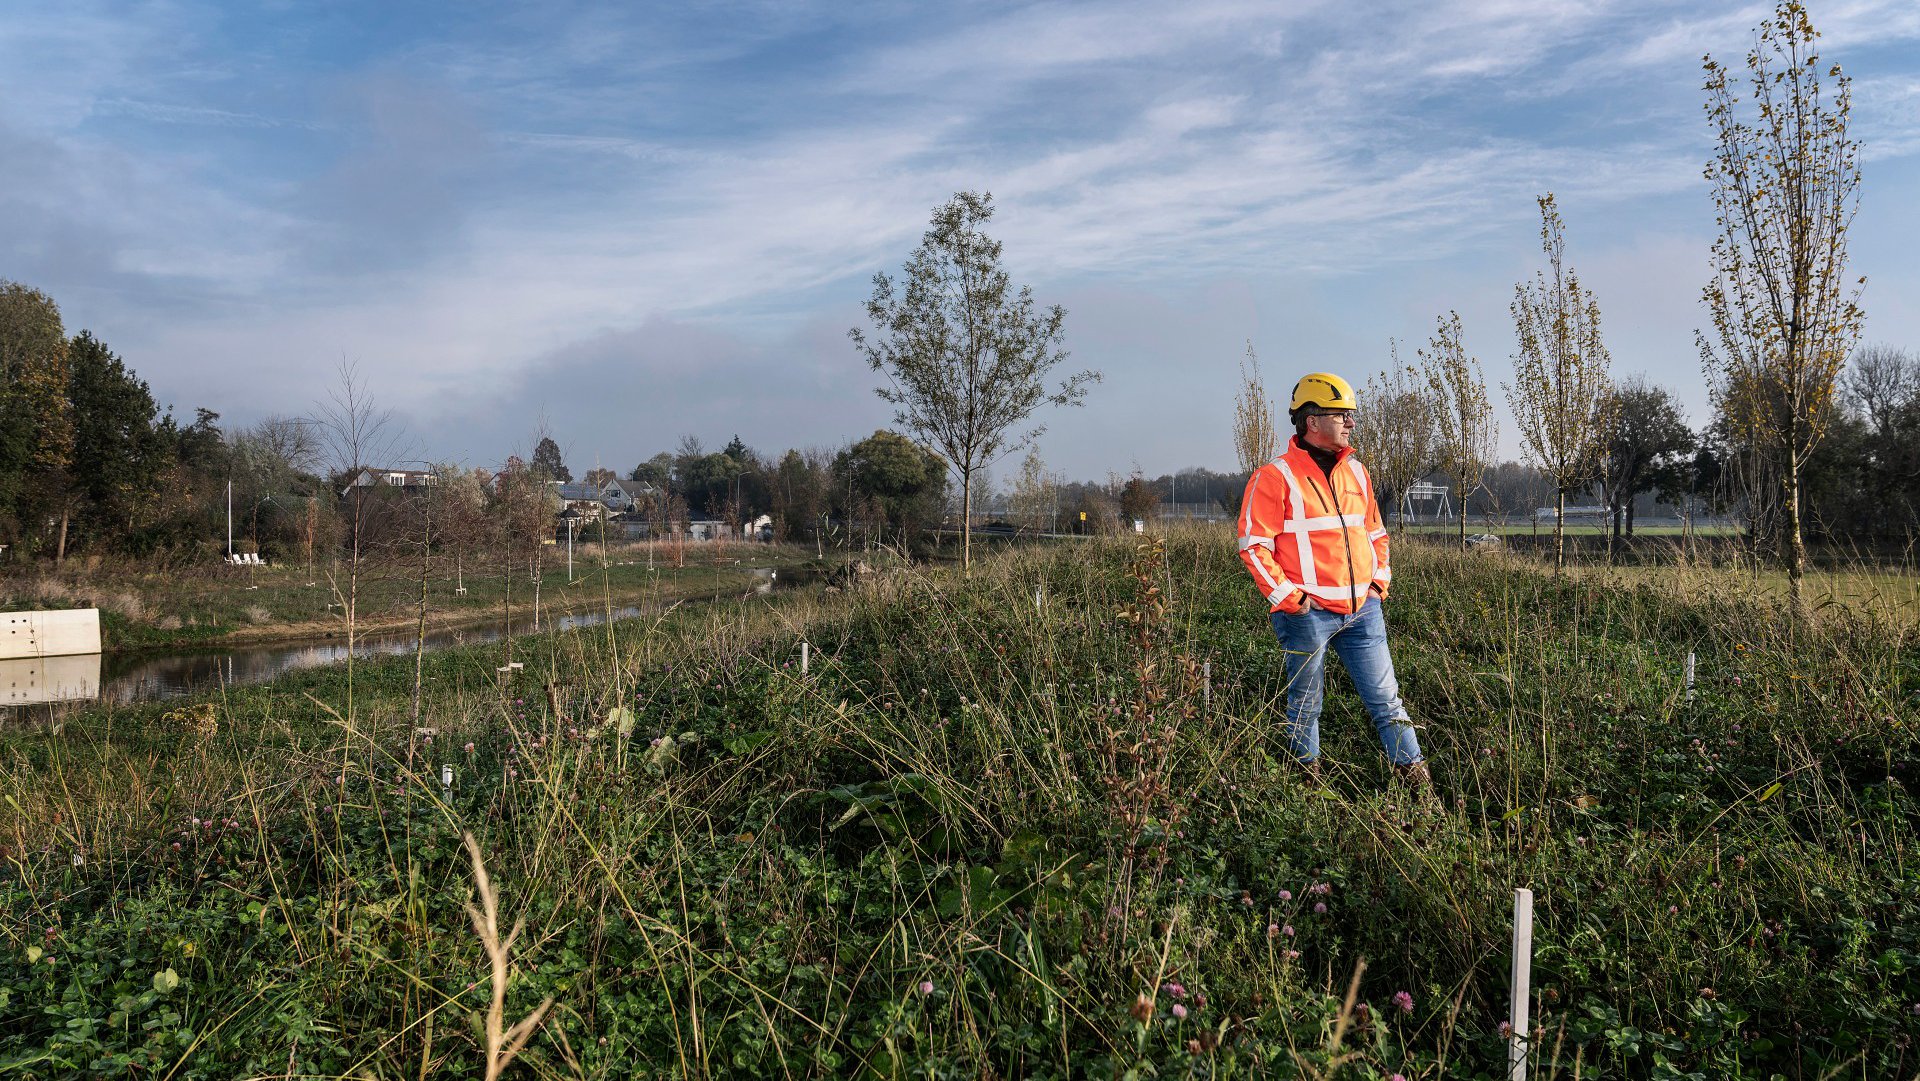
(446, 780)
(806, 656)
(1522, 978)
(1689, 676)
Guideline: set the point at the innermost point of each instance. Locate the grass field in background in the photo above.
(989, 836)
(1574, 529)
(295, 601)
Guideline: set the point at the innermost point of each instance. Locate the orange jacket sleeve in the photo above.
(1377, 533)
(1262, 510)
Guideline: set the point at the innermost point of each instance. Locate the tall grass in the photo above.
(1038, 822)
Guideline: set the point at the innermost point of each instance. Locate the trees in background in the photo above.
(1560, 392)
(1034, 499)
(1644, 440)
(966, 356)
(1138, 499)
(657, 471)
(36, 422)
(800, 491)
(548, 460)
(893, 483)
(1883, 386)
(1785, 174)
(1463, 414)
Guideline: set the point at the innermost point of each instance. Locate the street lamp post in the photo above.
(570, 516)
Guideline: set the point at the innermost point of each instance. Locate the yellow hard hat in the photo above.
(1323, 390)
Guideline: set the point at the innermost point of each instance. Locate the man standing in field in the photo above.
(1311, 535)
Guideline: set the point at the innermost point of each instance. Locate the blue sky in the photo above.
(639, 222)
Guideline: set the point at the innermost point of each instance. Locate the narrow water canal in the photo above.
(29, 686)
(145, 677)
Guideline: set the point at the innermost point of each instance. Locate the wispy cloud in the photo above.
(489, 206)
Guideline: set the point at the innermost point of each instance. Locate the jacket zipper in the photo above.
(1353, 595)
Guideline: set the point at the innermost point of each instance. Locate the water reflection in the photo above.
(35, 681)
(146, 677)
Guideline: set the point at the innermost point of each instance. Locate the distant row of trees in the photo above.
(85, 453)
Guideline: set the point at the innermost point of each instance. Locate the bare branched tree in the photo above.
(354, 435)
(1786, 180)
(965, 355)
(1560, 390)
(1397, 433)
(292, 440)
(1883, 381)
(1255, 438)
(1463, 414)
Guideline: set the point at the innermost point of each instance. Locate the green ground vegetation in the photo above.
(1035, 822)
(1574, 529)
(144, 608)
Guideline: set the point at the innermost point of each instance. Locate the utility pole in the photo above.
(229, 518)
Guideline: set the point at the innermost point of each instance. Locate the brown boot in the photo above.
(1312, 767)
(1415, 776)
(1418, 780)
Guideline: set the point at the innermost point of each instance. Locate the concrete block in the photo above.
(49, 634)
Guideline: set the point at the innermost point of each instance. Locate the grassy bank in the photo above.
(293, 602)
(989, 836)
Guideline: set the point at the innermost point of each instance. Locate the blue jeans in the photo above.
(1361, 642)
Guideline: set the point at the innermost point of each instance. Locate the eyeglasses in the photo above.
(1346, 416)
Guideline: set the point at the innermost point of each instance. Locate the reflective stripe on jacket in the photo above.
(1304, 533)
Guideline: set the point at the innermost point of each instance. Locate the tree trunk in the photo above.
(1560, 531)
(1463, 515)
(60, 546)
(966, 521)
(1630, 517)
(1796, 547)
(420, 632)
(353, 602)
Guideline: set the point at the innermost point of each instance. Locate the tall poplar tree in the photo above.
(1463, 415)
(1255, 439)
(1560, 391)
(1786, 184)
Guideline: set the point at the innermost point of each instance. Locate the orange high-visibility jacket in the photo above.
(1305, 534)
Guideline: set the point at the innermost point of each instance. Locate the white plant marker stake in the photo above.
(1036, 599)
(806, 655)
(1689, 675)
(1206, 676)
(1522, 973)
(446, 779)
